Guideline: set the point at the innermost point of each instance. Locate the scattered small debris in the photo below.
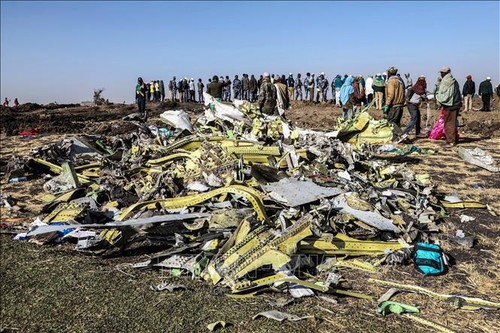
(170, 287)
(280, 316)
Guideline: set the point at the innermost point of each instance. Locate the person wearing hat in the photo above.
(449, 97)
(468, 92)
(486, 91)
(290, 84)
(267, 96)
(140, 96)
(395, 98)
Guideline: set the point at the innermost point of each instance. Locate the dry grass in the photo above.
(50, 288)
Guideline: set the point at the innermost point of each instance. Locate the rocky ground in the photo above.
(52, 288)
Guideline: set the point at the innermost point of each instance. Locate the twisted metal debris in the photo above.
(244, 200)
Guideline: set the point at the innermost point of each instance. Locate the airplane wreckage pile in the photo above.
(240, 199)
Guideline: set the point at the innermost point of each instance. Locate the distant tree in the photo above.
(98, 100)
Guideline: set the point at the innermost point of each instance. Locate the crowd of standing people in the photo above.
(386, 91)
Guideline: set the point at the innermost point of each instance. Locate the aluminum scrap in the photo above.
(198, 195)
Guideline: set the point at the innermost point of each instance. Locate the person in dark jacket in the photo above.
(140, 96)
(245, 86)
(237, 87)
(468, 92)
(268, 96)
(253, 86)
(215, 87)
(486, 91)
(162, 90)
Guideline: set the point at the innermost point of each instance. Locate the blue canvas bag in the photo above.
(429, 259)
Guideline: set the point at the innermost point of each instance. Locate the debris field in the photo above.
(253, 205)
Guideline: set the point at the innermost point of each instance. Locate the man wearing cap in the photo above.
(449, 97)
(140, 96)
(485, 91)
(267, 96)
(468, 92)
(290, 84)
(395, 98)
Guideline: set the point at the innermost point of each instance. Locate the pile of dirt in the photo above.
(486, 128)
(73, 118)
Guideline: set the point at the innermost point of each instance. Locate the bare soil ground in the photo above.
(52, 288)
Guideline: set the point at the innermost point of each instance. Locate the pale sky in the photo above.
(61, 51)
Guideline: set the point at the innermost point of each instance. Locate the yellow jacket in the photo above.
(395, 92)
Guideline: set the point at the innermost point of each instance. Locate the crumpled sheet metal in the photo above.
(478, 157)
(296, 192)
(178, 118)
(222, 111)
(371, 218)
(363, 128)
(239, 199)
(258, 248)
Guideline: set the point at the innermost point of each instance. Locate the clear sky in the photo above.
(61, 51)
